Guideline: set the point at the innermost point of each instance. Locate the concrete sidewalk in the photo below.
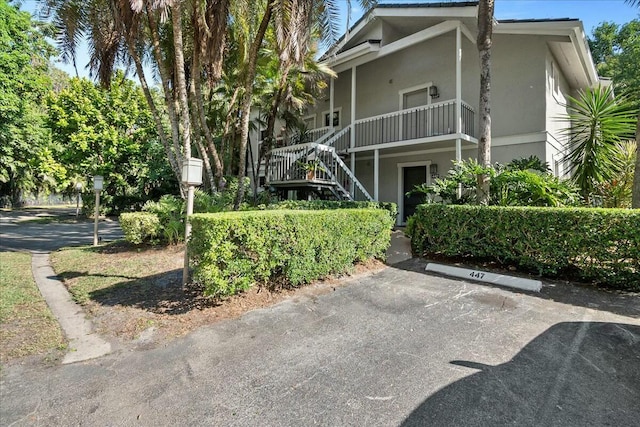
(42, 238)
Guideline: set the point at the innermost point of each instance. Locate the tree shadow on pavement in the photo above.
(573, 374)
(581, 295)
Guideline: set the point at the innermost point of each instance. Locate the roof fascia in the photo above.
(436, 12)
(431, 12)
(359, 55)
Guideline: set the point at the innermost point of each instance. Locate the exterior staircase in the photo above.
(315, 168)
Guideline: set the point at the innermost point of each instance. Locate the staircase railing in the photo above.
(314, 163)
(340, 140)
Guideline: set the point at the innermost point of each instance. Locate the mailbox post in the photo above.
(98, 183)
(78, 191)
(191, 176)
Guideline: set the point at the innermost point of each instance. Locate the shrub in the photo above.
(522, 182)
(333, 204)
(233, 250)
(170, 211)
(140, 227)
(599, 245)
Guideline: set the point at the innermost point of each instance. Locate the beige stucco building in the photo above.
(406, 95)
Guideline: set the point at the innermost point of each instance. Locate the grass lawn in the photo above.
(27, 327)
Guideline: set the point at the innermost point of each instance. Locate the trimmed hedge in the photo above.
(233, 250)
(140, 227)
(598, 245)
(333, 204)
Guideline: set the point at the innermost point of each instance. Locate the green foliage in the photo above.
(392, 208)
(617, 192)
(232, 251)
(522, 182)
(27, 156)
(170, 212)
(599, 245)
(598, 123)
(140, 227)
(110, 132)
(616, 52)
(220, 200)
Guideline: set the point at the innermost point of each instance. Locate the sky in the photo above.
(590, 12)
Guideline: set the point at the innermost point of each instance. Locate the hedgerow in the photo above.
(596, 245)
(231, 251)
(140, 227)
(334, 204)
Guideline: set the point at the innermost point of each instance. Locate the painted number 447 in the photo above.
(476, 275)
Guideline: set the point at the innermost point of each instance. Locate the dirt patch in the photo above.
(147, 304)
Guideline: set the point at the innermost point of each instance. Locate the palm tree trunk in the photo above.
(202, 120)
(164, 79)
(635, 200)
(246, 102)
(173, 162)
(485, 31)
(197, 131)
(181, 84)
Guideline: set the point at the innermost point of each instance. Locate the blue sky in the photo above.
(590, 12)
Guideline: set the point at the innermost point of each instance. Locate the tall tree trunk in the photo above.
(202, 120)
(197, 131)
(171, 157)
(246, 102)
(166, 89)
(181, 83)
(485, 32)
(635, 201)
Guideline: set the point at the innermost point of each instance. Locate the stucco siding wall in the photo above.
(505, 153)
(518, 84)
(379, 82)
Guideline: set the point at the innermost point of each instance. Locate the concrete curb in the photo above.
(84, 344)
(487, 277)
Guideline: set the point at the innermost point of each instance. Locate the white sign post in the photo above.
(192, 176)
(98, 183)
(78, 191)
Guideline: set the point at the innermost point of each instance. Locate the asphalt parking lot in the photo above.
(400, 347)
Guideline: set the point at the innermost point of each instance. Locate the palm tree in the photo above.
(635, 199)
(485, 33)
(598, 123)
(294, 22)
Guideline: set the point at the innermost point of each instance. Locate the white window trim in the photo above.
(311, 116)
(556, 91)
(403, 92)
(426, 164)
(335, 110)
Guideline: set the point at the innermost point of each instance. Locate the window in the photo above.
(336, 118)
(555, 83)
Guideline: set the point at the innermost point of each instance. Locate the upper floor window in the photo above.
(555, 83)
(336, 118)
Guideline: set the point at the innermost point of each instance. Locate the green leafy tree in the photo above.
(110, 132)
(616, 51)
(27, 161)
(599, 122)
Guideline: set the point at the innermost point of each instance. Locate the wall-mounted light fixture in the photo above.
(433, 92)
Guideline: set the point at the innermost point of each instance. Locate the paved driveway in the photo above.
(16, 234)
(396, 348)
